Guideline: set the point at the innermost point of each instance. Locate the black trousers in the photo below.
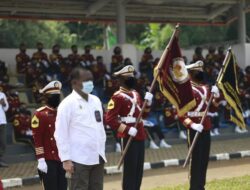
(199, 160)
(133, 166)
(156, 129)
(215, 122)
(2, 140)
(54, 179)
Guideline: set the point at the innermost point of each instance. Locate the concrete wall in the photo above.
(8, 55)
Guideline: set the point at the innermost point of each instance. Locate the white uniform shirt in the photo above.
(3, 109)
(80, 134)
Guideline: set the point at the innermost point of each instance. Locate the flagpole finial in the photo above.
(230, 48)
(177, 25)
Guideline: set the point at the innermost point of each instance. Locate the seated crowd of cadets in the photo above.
(17, 114)
(41, 68)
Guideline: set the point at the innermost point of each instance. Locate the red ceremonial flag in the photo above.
(173, 78)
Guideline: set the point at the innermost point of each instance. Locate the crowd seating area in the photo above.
(32, 73)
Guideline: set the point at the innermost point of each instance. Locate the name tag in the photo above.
(98, 116)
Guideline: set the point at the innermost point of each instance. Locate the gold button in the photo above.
(49, 125)
(53, 151)
(51, 138)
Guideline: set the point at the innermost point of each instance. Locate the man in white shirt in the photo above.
(4, 106)
(80, 134)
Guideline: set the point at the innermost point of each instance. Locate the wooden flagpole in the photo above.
(159, 66)
(207, 108)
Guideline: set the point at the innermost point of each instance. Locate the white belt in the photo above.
(128, 119)
(215, 114)
(195, 114)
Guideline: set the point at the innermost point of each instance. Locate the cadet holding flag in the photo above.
(49, 165)
(190, 100)
(193, 121)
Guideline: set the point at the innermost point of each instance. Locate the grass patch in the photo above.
(237, 183)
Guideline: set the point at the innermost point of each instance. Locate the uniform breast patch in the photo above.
(111, 105)
(16, 123)
(35, 122)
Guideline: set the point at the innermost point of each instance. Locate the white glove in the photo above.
(29, 133)
(149, 97)
(132, 131)
(42, 166)
(197, 127)
(216, 91)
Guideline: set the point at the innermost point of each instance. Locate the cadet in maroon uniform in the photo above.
(40, 61)
(220, 56)
(146, 63)
(22, 60)
(214, 113)
(122, 112)
(74, 57)
(49, 166)
(99, 71)
(40, 55)
(22, 125)
(200, 154)
(117, 59)
(198, 55)
(87, 58)
(171, 119)
(55, 62)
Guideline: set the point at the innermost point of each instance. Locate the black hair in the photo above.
(75, 73)
(22, 44)
(39, 43)
(56, 45)
(87, 46)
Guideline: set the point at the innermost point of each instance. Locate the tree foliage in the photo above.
(13, 32)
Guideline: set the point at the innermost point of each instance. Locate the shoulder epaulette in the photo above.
(117, 92)
(41, 108)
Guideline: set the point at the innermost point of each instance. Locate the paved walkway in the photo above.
(179, 151)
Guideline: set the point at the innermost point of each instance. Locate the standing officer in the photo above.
(49, 166)
(200, 154)
(122, 112)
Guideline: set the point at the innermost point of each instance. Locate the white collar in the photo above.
(78, 96)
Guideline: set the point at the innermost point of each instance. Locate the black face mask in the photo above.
(56, 51)
(199, 77)
(23, 50)
(53, 100)
(130, 82)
